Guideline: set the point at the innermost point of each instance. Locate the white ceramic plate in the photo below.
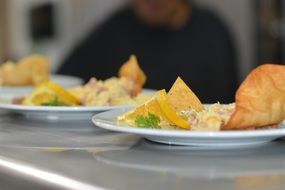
(107, 120)
(63, 80)
(57, 112)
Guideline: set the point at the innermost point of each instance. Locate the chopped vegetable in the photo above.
(54, 102)
(150, 121)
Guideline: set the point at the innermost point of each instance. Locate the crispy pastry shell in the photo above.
(260, 99)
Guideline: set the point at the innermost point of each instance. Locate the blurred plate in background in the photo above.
(63, 80)
(58, 113)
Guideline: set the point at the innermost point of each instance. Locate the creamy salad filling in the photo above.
(211, 119)
(113, 91)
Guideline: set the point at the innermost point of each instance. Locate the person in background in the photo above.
(170, 38)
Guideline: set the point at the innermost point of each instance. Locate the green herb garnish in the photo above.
(54, 102)
(149, 121)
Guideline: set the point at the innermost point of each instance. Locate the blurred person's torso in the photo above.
(201, 53)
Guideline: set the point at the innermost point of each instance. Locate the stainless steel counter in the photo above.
(77, 155)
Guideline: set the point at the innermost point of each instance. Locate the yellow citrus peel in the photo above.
(169, 112)
(47, 92)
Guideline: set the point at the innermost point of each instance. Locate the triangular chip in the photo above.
(132, 71)
(260, 99)
(37, 66)
(31, 70)
(181, 97)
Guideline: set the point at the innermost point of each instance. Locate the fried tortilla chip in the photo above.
(181, 97)
(36, 68)
(132, 71)
(31, 70)
(260, 99)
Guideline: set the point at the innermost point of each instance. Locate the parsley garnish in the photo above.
(54, 102)
(149, 121)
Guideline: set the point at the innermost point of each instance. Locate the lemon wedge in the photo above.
(168, 111)
(159, 106)
(48, 92)
(151, 106)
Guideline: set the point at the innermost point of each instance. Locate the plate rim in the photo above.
(109, 125)
(18, 108)
(15, 107)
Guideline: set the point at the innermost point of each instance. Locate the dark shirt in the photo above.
(201, 53)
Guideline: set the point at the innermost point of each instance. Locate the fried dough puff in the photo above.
(260, 99)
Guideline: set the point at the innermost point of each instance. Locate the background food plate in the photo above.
(107, 120)
(57, 112)
(63, 80)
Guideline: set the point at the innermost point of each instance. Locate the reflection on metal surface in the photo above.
(198, 162)
(78, 155)
(19, 132)
(53, 149)
(260, 181)
(93, 150)
(105, 149)
(46, 176)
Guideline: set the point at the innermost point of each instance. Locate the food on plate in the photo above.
(169, 112)
(150, 107)
(260, 99)
(112, 91)
(125, 89)
(180, 91)
(50, 94)
(121, 90)
(259, 104)
(160, 106)
(150, 121)
(210, 119)
(132, 71)
(31, 70)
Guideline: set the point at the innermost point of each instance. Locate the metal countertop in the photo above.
(78, 155)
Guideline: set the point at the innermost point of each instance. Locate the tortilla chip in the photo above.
(260, 99)
(181, 97)
(31, 70)
(132, 71)
(36, 68)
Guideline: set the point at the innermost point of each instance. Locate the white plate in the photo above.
(57, 112)
(107, 120)
(63, 80)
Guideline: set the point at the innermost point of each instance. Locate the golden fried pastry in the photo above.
(131, 70)
(31, 70)
(260, 99)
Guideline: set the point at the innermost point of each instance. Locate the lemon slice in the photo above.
(168, 111)
(159, 106)
(48, 92)
(151, 106)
